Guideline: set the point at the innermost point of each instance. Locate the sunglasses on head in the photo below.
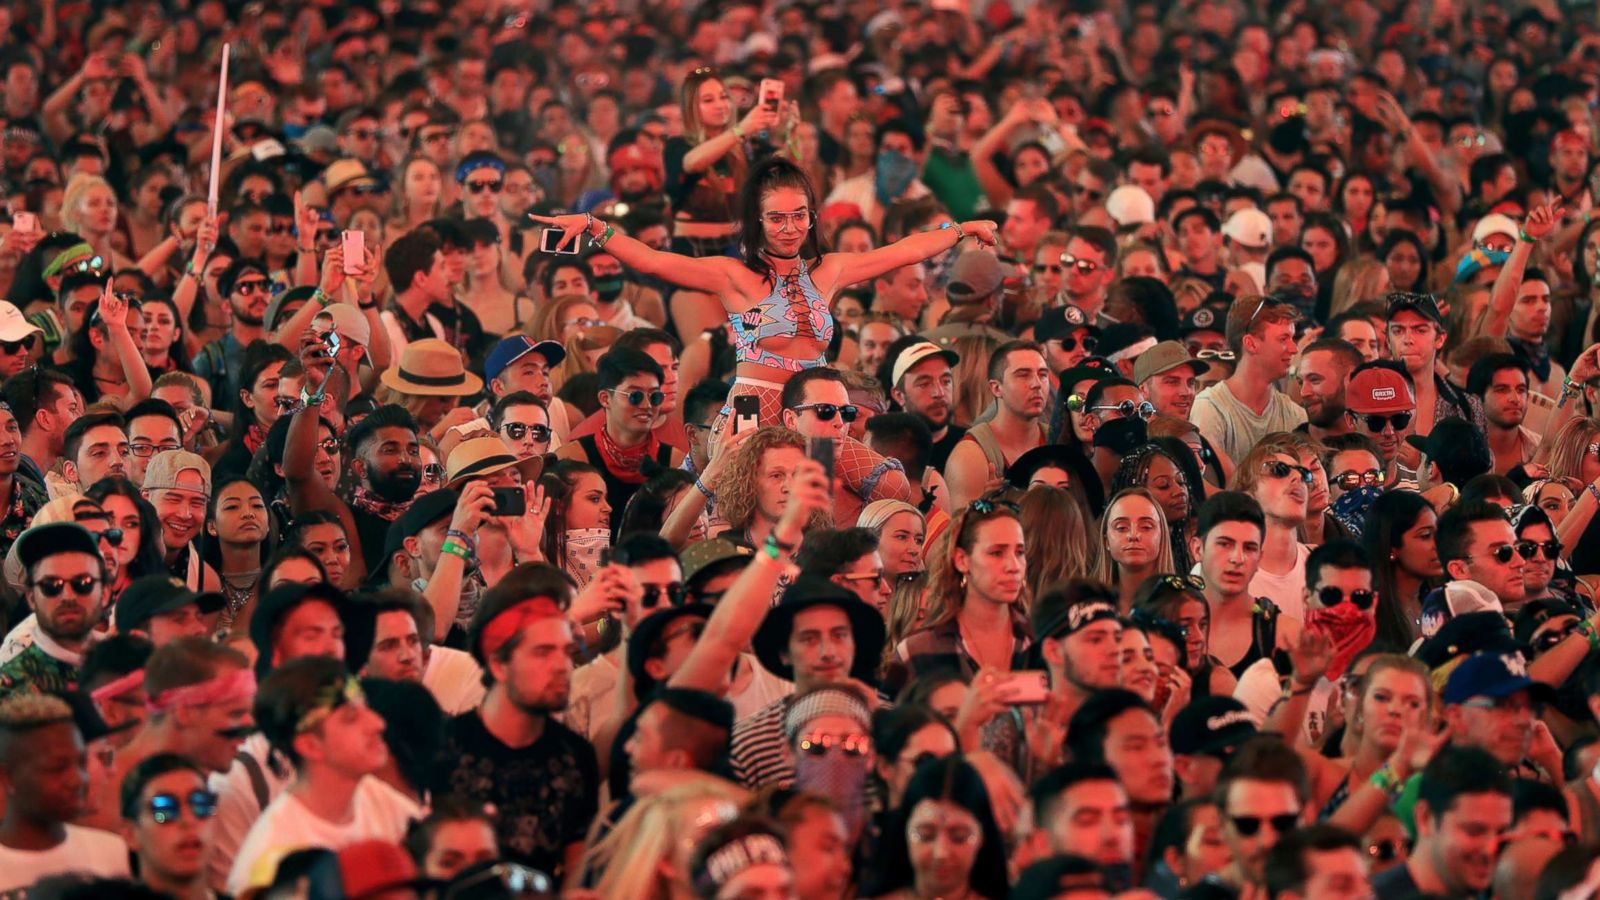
(1144, 410)
(1375, 423)
(637, 398)
(1200, 352)
(1184, 583)
(12, 348)
(52, 586)
(517, 430)
(1331, 596)
(1353, 479)
(825, 411)
(1266, 302)
(1249, 825)
(1084, 266)
(984, 506)
(478, 187)
(849, 745)
(1277, 468)
(167, 808)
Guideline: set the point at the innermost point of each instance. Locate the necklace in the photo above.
(238, 588)
(794, 255)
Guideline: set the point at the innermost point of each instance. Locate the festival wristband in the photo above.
(701, 487)
(455, 549)
(1386, 779)
(605, 236)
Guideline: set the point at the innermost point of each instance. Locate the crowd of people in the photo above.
(752, 449)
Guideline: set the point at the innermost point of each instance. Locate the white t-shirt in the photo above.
(1286, 590)
(378, 812)
(1259, 689)
(238, 806)
(1233, 428)
(594, 685)
(763, 689)
(86, 850)
(455, 680)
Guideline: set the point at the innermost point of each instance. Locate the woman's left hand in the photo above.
(986, 232)
(113, 309)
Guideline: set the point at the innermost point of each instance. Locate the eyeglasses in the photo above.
(92, 264)
(583, 322)
(166, 808)
(436, 137)
(1208, 353)
(112, 536)
(798, 220)
(52, 586)
(246, 288)
(672, 592)
(1376, 423)
(1277, 468)
(1352, 479)
(637, 398)
(1265, 302)
(478, 187)
(849, 745)
(433, 472)
(1052, 268)
(1089, 341)
(12, 348)
(512, 880)
(280, 228)
(1084, 266)
(1530, 549)
(286, 405)
(826, 411)
(1095, 195)
(1249, 825)
(1144, 410)
(1331, 596)
(1503, 553)
(518, 430)
(144, 450)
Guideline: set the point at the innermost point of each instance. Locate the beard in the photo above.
(244, 315)
(1328, 415)
(396, 485)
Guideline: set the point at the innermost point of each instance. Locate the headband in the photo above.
(467, 167)
(330, 697)
(112, 689)
(62, 257)
(737, 855)
(835, 702)
(239, 684)
(1077, 617)
(507, 624)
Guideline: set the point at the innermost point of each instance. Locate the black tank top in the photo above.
(619, 492)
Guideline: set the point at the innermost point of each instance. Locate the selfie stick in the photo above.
(216, 135)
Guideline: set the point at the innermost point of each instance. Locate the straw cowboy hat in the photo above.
(431, 368)
(479, 456)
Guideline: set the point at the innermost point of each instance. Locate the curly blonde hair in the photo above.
(736, 490)
(1563, 454)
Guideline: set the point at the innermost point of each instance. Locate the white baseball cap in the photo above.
(1130, 204)
(1494, 223)
(1250, 227)
(13, 325)
(916, 353)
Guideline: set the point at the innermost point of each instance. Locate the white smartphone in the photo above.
(354, 244)
(550, 237)
(1024, 688)
(24, 222)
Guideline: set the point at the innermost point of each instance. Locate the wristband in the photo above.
(960, 235)
(701, 487)
(1289, 690)
(321, 298)
(1525, 237)
(455, 549)
(1594, 492)
(465, 539)
(588, 223)
(1589, 632)
(600, 242)
(738, 131)
(1386, 779)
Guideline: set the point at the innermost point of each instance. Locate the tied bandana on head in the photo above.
(510, 622)
(737, 855)
(1350, 629)
(895, 173)
(584, 549)
(1352, 506)
(332, 696)
(240, 684)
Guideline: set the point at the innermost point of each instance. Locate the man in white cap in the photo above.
(19, 339)
(923, 384)
(1131, 207)
(178, 484)
(1247, 236)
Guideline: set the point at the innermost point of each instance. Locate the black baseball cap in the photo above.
(1060, 321)
(1211, 726)
(153, 595)
(423, 511)
(47, 540)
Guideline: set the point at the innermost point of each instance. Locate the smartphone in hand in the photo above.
(354, 244)
(550, 238)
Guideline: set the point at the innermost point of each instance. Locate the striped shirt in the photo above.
(759, 755)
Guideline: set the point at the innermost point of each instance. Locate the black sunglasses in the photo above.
(1089, 341)
(246, 288)
(1385, 851)
(478, 187)
(1277, 468)
(1249, 825)
(1375, 423)
(1332, 596)
(52, 586)
(517, 430)
(167, 808)
(654, 593)
(12, 348)
(637, 398)
(1503, 553)
(1530, 549)
(112, 536)
(1352, 479)
(826, 411)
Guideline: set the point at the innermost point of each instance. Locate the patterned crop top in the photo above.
(794, 308)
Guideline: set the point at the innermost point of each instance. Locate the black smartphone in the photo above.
(821, 450)
(510, 501)
(746, 412)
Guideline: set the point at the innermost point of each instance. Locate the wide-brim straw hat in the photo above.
(431, 368)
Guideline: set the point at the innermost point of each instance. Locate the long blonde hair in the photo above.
(1563, 454)
(1359, 279)
(1109, 572)
(630, 858)
(694, 130)
(1059, 543)
(972, 377)
(73, 196)
(397, 202)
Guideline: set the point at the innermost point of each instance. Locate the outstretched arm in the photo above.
(854, 268)
(713, 274)
(1541, 222)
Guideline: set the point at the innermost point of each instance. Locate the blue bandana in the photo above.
(1352, 506)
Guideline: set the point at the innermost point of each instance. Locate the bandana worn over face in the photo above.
(1535, 353)
(840, 777)
(584, 548)
(1350, 629)
(895, 173)
(1351, 507)
(367, 501)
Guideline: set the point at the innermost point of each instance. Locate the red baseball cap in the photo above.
(1378, 390)
(368, 868)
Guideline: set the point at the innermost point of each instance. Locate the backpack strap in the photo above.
(258, 778)
(983, 436)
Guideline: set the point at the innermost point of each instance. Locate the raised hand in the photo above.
(1542, 220)
(113, 309)
(986, 232)
(1311, 656)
